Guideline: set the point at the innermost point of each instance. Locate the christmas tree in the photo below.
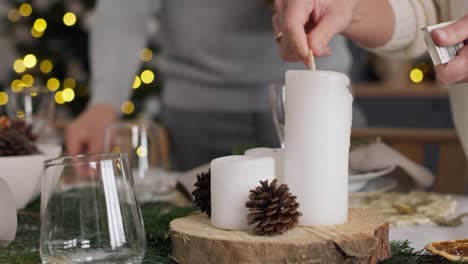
(51, 40)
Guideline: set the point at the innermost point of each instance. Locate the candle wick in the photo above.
(312, 61)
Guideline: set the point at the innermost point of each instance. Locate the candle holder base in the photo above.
(363, 239)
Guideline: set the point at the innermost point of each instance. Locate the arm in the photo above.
(117, 36)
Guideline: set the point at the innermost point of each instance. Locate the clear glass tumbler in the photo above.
(278, 107)
(89, 212)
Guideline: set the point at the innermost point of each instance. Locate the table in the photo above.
(419, 236)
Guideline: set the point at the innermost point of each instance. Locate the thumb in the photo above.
(451, 34)
(320, 36)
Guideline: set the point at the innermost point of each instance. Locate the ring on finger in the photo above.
(279, 36)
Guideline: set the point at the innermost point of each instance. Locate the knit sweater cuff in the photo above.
(405, 27)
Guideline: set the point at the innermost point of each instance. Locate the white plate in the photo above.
(357, 181)
(376, 186)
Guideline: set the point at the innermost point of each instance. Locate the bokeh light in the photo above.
(36, 34)
(58, 98)
(13, 15)
(69, 19)
(116, 149)
(3, 98)
(17, 85)
(27, 80)
(146, 55)
(68, 94)
(46, 66)
(25, 9)
(147, 76)
(53, 84)
(416, 75)
(18, 66)
(136, 83)
(29, 61)
(128, 107)
(20, 114)
(141, 151)
(69, 83)
(40, 25)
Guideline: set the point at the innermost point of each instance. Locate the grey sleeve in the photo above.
(117, 36)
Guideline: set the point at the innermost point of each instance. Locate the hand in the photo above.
(456, 70)
(86, 133)
(310, 25)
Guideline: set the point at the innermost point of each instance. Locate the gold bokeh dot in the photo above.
(141, 151)
(147, 76)
(69, 19)
(136, 83)
(28, 80)
(146, 54)
(53, 84)
(40, 25)
(58, 98)
(128, 107)
(416, 75)
(30, 61)
(3, 98)
(46, 66)
(14, 15)
(36, 34)
(17, 85)
(69, 83)
(18, 66)
(68, 94)
(25, 9)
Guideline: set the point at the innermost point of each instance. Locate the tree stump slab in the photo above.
(363, 239)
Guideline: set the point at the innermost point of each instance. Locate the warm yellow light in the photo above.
(40, 25)
(416, 75)
(128, 107)
(3, 98)
(36, 34)
(20, 114)
(116, 149)
(18, 66)
(28, 80)
(53, 84)
(69, 83)
(29, 61)
(33, 94)
(69, 19)
(46, 66)
(146, 55)
(136, 83)
(68, 94)
(59, 98)
(25, 9)
(17, 85)
(147, 76)
(13, 15)
(141, 151)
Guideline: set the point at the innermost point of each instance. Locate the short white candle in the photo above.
(232, 178)
(276, 153)
(317, 141)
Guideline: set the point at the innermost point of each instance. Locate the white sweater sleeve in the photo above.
(410, 17)
(117, 36)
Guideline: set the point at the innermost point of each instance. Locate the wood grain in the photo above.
(363, 239)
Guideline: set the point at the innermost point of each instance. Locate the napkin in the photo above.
(379, 155)
(7, 215)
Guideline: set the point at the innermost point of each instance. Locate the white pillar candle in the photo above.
(317, 141)
(232, 178)
(275, 153)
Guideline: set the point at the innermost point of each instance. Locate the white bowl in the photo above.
(23, 173)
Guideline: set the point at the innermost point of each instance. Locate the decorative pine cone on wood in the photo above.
(202, 192)
(14, 143)
(273, 208)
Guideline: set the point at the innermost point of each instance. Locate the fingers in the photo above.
(456, 70)
(323, 32)
(286, 52)
(295, 17)
(76, 140)
(452, 34)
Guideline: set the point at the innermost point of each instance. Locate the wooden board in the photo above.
(363, 239)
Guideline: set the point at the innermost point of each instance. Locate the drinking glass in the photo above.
(147, 149)
(89, 212)
(278, 103)
(35, 106)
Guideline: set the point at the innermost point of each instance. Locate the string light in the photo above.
(68, 94)
(58, 98)
(33, 94)
(20, 114)
(3, 98)
(18, 66)
(147, 76)
(146, 55)
(127, 107)
(29, 61)
(17, 85)
(36, 34)
(69, 19)
(25, 9)
(28, 80)
(46, 66)
(416, 75)
(13, 15)
(136, 83)
(141, 151)
(53, 84)
(40, 25)
(69, 83)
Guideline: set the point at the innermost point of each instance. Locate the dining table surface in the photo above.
(421, 235)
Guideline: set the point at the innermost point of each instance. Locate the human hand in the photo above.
(456, 70)
(86, 133)
(310, 25)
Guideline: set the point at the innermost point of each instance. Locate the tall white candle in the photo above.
(317, 141)
(277, 155)
(232, 178)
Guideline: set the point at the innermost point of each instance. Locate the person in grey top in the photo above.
(218, 57)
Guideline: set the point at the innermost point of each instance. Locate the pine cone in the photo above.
(14, 143)
(274, 208)
(202, 192)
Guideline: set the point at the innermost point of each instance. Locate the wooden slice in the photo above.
(363, 239)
